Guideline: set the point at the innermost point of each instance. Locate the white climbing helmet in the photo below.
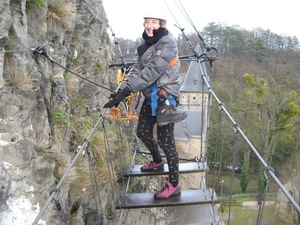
(155, 13)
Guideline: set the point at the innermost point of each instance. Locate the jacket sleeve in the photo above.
(136, 69)
(162, 53)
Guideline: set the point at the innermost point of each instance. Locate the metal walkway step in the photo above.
(146, 200)
(189, 167)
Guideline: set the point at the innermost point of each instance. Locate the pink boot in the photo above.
(152, 166)
(168, 191)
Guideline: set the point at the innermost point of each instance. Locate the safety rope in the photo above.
(57, 188)
(12, 51)
(232, 169)
(109, 159)
(203, 114)
(217, 156)
(184, 12)
(41, 50)
(254, 150)
(97, 198)
(203, 57)
(208, 124)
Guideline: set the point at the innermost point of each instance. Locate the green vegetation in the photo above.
(19, 81)
(12, 41)
(244, 179)
(98, 65)
(248, 215)
(61, 13)
(80, 104)
(252, 189)
(43, 150)
(77, 40)
(31, 4)
(59, 117)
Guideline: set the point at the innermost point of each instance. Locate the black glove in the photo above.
(117, 97)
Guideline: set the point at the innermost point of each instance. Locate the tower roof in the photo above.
(192, 81)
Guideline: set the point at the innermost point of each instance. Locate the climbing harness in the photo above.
(157, 91)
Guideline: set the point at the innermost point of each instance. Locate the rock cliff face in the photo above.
(36, 91)
(54, 81)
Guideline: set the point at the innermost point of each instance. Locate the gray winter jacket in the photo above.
(152, 67)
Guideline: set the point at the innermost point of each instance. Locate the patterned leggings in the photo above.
(165, 140)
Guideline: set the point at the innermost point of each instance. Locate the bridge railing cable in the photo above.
(58, 186)
(255, 151)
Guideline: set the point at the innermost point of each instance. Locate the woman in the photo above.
(156, 75)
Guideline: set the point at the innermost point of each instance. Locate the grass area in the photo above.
(240, 214)
(249, 215)
(226, 176)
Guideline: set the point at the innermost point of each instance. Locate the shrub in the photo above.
(61, 13)
(18, 81)
(31, 4)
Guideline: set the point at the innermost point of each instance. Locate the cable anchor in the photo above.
(41, 50)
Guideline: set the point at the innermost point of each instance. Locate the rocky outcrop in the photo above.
(54, 81)
(5, 23)
(34, 87)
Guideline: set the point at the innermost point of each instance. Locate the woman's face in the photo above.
(150, 25)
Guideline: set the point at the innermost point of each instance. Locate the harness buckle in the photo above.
(161, 92)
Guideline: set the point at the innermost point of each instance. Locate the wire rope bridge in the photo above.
(193, 170)
(130, 188)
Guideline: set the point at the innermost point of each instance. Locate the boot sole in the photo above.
(161, 167)
(162, 123)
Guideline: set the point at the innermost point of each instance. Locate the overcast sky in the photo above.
(280, 17)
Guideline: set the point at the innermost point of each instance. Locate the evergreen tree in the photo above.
(244, 178)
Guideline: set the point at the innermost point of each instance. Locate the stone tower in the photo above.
(191, 134)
